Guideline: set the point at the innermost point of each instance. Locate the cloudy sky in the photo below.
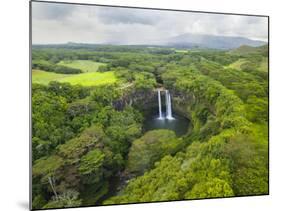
(62, 23)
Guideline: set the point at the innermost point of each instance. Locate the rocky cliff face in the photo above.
(182, 103)
(146, 100)
(142, 100)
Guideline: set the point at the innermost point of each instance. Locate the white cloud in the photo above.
(61, 23)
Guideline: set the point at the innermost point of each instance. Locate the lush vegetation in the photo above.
(88, 142)
(56, 68)
(85, 79)
(84, 65)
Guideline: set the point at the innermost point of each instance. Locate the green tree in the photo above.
(67, 199)
(209, 189)
(91, 162)
(152, 146)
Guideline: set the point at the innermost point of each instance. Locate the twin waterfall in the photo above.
(168, 105)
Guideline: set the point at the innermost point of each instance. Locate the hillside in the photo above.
(246, 49)
(211, 41)
(186, 40)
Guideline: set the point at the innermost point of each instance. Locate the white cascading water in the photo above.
(168, 105)
(160, 105)
(169, 114)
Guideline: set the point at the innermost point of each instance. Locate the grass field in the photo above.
(263, 66)
(181, 51)
(84, 65)
(237, 64)
(43, 77)
(85, 79)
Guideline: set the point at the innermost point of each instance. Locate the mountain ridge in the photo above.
(186, 40)
(212, 41)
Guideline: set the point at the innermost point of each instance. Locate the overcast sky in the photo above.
(62, 23)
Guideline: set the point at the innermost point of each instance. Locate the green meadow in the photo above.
(44, 77)
(181, 51)
(237, 64)
(89, 77)
(84, 65)
(85, 79)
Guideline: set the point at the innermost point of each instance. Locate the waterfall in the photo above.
(168, 105)
(160, 105)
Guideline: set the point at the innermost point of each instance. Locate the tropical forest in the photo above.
(121, 124)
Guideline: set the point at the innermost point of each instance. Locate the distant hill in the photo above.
(245, 49)
(181, 41)
(210, 41)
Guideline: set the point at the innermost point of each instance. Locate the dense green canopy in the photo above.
(89, 146)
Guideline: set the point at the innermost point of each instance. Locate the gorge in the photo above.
(168, 119)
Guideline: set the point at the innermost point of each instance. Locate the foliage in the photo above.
(152, 146)
(66, 199)
(144, 81)
(91, 162)
(85, 137)
(105, 95)
(47, 166)
(51, 125)
(210, 189)
(76, 147)
(49, 67)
